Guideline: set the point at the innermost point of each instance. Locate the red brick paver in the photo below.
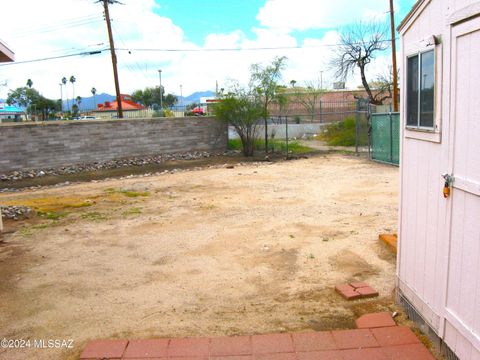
(356, 290)
(272, 343)
(397, 335)
(374, 343)
(146, 349)
(313, 341)
(189, 347)
(236, 345)
(376, 320)
(108, 349)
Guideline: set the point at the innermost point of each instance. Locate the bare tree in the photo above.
(358, 46)
(309, 96)
(383, 85)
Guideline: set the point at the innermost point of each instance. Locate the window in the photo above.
(421, 90)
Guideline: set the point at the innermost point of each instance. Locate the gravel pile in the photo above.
(16, 212)
(112, 164)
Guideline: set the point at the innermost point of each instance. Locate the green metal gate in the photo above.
(385, 137)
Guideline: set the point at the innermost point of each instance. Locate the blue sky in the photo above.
(200, 18)
(302, 30)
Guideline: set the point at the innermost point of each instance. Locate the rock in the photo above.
(17, 212)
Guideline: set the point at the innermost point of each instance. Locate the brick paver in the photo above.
(376, 343)
(376, 320)
(356, 290)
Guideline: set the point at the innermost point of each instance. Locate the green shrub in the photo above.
(342, 133)
(280, 146)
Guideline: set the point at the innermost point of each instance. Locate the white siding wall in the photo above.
(422, 213)
(427, 221)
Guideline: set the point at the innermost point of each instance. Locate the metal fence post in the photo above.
(391, 138)
(357, 124)
(286, 133)
(369, 129)
(320, 108)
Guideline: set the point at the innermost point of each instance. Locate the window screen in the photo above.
(427, 78)
(421, 90)
(412, 91)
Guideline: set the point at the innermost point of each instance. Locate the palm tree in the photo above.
(64, 82)
(29, 83)
(72, 80)
(79, 100)
(94, 92)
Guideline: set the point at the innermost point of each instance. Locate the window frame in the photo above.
(415, 48)
(419, 55)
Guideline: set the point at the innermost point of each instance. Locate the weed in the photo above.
(128, 193)
(51, 215)
(25, 231)
(94, 216)
(294, 147)
(53, 204)
(81, 205)
(134, 193)
(132, 211)
(41, 226)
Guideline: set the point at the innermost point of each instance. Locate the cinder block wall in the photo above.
(59, 143)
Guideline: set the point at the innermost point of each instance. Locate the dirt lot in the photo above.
(253, 249)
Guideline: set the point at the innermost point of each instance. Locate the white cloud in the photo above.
(317, 14)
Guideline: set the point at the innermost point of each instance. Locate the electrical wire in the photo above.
(74, 22)
(178, 50)
(240, 49)
(54, 57)
(137, 65)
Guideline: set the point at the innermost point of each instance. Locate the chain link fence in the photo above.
(385, 137)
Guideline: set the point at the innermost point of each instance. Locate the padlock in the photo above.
(446, 190)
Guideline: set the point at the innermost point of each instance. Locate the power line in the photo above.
(298, 47)
(137, 65)
(178, 50)
(95, 52)
(86, 20)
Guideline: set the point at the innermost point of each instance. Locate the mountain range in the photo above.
(89, 103)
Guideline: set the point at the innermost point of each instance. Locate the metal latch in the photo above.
(449, 179)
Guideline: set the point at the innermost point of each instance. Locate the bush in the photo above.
(276, 145)
(342, 133)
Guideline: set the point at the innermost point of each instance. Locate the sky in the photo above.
(196, 43)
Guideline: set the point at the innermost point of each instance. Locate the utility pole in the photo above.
(181, 95)
(160, 75)
(61, 95)
(114, 56)
(394, 59)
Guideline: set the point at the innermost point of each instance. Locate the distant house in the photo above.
(130, 108)
(6, 55)
(10, 113)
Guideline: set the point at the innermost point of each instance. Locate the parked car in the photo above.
(84, 118)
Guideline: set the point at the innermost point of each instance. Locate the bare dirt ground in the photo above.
(253, 249)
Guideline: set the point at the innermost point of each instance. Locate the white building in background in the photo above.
(438, 271)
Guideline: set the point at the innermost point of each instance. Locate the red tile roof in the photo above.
(127, 104)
